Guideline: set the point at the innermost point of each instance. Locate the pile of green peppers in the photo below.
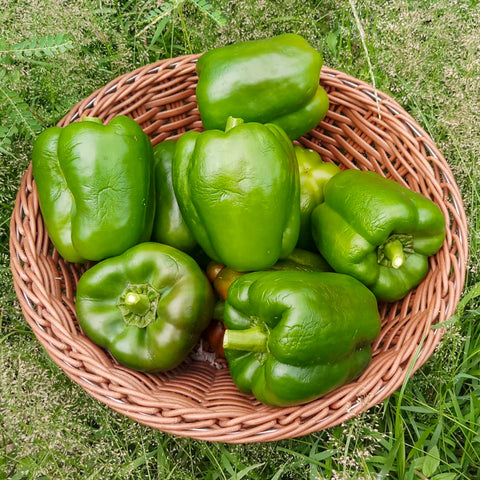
(299, 250)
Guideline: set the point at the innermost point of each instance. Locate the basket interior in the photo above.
(363, 129)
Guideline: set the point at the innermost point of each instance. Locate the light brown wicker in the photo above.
(361, 130)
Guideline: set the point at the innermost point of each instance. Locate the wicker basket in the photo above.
(362, 130)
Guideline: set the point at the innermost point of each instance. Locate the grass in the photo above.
(424, 53)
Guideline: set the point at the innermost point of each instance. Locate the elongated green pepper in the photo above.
(294, 336)
(377, 231)
(273, 80)
(95, 186)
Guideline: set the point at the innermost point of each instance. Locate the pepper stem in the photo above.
(232, 122)
(137, 303)
(394, 252)
(252, 339)
(92, 119)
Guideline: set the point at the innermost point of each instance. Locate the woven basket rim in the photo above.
(29, 251)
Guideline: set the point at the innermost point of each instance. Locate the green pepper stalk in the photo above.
(253, 339)
(137, 303)
(394, 253)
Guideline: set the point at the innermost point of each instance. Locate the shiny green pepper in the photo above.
(169, 226)
(95, 186)
(377, 231)
(273, 80)
(314, 175)
(294, 336)
(148, 306)
(238, 192)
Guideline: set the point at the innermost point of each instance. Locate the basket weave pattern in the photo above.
(362, 130)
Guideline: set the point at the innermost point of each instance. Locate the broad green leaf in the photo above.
(432, 462)
(332, 42)
(445, 476)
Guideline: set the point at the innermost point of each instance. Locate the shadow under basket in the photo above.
(363, 129)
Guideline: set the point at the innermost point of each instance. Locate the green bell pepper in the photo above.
(294, 336)
(95, 186)
(169, 227)
(314, 175)
(148, 306)
(238, 192)
(273, 80)
(377, 231)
